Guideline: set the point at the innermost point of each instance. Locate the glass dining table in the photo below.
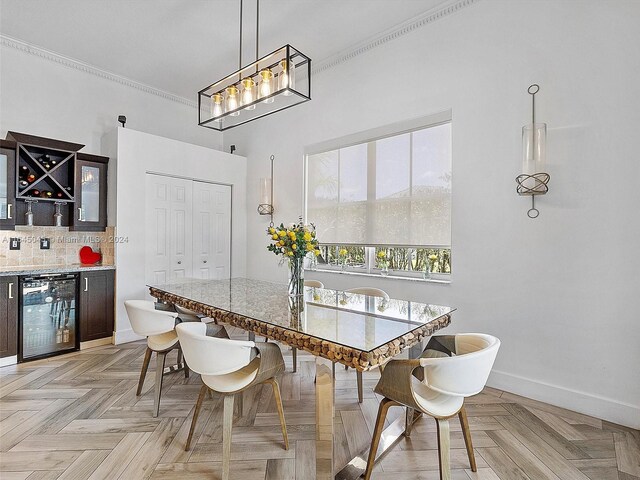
(360, 331)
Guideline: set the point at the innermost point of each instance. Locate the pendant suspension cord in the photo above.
(272, 158)
(240, 55)
(257, 26)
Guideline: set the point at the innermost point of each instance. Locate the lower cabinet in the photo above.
(96, 304)
(8, 316)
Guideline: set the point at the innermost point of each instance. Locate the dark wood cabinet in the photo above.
(8, 316)
(96, 304)
(7, 185)
(51, 176)
(90, 212)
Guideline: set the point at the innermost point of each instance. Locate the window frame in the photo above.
(372, 135)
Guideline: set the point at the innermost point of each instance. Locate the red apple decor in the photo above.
(89, 257)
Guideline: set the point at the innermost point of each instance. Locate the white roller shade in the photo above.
(394, 190)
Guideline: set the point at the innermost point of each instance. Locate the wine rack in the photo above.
(45, 174)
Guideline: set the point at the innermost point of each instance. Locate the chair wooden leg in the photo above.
(408, 421)
(226, 435)
(238, 406)
(143, 372)
(196, 412)
(466, 432)
(377, 432)
(359, 380)
(278, 398)
(160, 359)
(444, 446)
(294, 356)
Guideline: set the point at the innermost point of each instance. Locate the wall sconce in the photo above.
(266, 195)
(533, 181)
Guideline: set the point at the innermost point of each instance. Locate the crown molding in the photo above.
(392, 33)
(321, 66)
(10, 42)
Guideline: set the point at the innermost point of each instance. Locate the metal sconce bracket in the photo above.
(267, 208)
(535, 183)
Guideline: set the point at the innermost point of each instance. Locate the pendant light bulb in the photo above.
(217, 105)
(266, 84)
(248, 92)
(287, 76)
(232, 99)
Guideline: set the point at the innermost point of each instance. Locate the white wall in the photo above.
(136, 153)
(42, 97)
(560, 291)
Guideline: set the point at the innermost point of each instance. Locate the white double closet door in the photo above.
(188, 229)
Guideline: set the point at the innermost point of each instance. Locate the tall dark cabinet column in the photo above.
(8, 316)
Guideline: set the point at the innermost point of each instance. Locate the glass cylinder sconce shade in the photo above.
(534, 144)
(265, 207)
(257, 90)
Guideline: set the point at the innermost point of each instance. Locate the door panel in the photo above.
(157, 231)
(188, 228)
(181, 229)
(212, 229)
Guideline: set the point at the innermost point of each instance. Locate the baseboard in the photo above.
(125, 336)
(4, 361)
(96, 343)
(577, 401)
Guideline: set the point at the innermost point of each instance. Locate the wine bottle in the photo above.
(24, 184)
(47, 194)
(31, 178)
(47, 166)
(59, 195)
(44, 158)
(35, 193)
(24, 172)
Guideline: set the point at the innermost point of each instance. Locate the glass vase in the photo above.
(384, 270)
(296, 277)
(426, 274)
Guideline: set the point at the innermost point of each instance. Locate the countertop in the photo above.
(46, 269)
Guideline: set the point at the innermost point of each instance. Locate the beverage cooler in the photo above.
(48, 313)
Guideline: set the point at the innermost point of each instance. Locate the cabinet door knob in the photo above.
(179, 262)
(204, 261)
(9, 207)
(86, 284)
(10, 289)
(80, 214)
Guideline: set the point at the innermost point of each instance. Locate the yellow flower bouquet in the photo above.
(294, 243)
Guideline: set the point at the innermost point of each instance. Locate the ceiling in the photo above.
(180, 46)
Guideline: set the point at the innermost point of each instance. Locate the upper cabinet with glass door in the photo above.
(90, 193)
(7, 185)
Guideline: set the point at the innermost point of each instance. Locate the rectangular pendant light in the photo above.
(277, 81)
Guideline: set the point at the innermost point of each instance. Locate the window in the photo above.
(387, 191)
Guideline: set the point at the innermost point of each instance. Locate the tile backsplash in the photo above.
(63, 249)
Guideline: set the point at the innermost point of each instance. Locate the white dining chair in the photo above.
(294, 350)
(230, 367)
(451, 368)
(190, 315)
(372, 292)
(158, 327)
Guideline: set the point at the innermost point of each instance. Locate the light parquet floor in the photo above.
(77, 417)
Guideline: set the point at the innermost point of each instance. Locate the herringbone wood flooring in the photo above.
(77, 417)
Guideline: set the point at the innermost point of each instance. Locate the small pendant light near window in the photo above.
(217, 104)
(232, 100)
(533, 181)
(265, 207)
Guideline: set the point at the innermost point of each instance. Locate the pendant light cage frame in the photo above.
(287, 75)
